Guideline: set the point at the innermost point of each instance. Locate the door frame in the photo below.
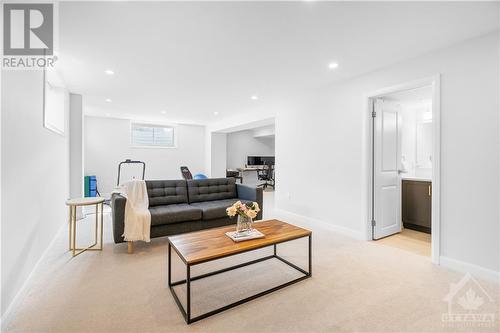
(435, 82)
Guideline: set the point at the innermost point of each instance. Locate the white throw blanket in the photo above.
(137, 215)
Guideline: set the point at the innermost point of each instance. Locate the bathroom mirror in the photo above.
(424, 145)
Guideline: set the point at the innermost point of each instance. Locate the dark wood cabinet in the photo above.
(417, 204)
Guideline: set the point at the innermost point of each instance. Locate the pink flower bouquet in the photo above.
(243, 210)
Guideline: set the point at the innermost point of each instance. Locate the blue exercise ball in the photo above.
(200, 176)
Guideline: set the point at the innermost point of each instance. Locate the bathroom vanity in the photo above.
(416, 203)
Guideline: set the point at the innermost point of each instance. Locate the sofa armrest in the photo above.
(251, 193)
(118, 202)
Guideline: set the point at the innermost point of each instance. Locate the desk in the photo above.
(249, 175)
(255, 168)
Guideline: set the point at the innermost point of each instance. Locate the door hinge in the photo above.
(374, 223)
(374, 114)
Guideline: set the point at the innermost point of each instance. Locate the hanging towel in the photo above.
(137, 215)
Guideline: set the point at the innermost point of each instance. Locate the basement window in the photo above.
(155, 136)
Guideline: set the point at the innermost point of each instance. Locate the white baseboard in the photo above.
(465, 267)
(21, 294)
(332, 227)
(456, 265)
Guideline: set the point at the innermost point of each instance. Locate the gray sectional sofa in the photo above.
(179, 206)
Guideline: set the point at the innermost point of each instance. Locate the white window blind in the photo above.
(145, 135)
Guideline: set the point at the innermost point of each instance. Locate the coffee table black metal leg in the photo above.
(172, 284)
(274, 249)
(188, 298)
(310, 255)
(169, 264)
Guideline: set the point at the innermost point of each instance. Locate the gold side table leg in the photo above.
(96, 222)
(102, 221)
(69, 226)
(74, 231)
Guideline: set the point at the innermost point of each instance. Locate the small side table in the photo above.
(78, 202)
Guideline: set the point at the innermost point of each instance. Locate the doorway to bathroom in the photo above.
(404, 167)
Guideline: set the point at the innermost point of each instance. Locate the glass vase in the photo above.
(244, 225)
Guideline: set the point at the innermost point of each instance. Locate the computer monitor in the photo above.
(260, 160)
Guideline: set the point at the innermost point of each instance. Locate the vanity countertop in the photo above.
(416, 178)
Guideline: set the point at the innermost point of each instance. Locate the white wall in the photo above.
(35, 180)
(76, 145)
(328, 129)
(243, 143)
(218, 144)
(208, 152)
(107, 143)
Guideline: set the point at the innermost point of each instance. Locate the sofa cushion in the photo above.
(174, 213)
(215, 209)
(166, 192)
(201, 190)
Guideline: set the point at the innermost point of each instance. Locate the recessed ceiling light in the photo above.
(216, 113)
(109, 72)
(108, 100)
(255, 97)
(163, 112)
(333, 65)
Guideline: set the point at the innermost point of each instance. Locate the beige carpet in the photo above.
(357, 286)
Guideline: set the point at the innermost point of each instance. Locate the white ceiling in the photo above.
(192, 59)
(248, 125)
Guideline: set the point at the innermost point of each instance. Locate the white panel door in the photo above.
(387, 159)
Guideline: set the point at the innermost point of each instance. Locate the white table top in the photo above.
(253, 168)
(248, 169)
(84, 201)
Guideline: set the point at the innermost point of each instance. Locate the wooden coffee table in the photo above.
(203, 246)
